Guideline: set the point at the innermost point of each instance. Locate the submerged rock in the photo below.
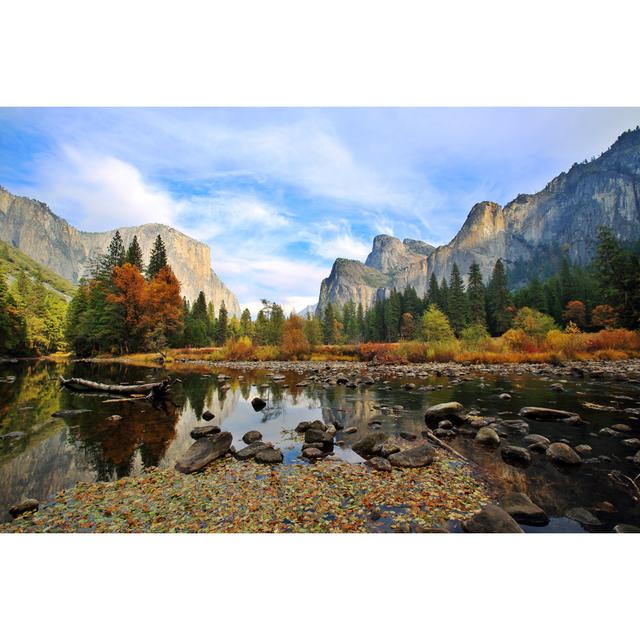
(204, 451)
(520, 507)
(312, 453)
(492, 519)
(550, 415)
(515, 455)
(583, 516)
(563, 454)
(488, 437)
(418, 456)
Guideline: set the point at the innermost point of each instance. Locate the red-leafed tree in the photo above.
(575, 312)
(604, 316)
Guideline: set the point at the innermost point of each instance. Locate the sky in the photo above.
(279, 193)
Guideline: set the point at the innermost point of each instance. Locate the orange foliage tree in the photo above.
(294, 342)
(151, 309)
(604, 317)
(575, 312)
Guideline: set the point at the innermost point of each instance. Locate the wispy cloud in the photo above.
(280, 193)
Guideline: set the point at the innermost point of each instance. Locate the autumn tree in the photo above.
(131, 295)
(575, 312)
(604, 316)
(294, 342)
(407, 326)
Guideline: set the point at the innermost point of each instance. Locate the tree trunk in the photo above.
(151, 388)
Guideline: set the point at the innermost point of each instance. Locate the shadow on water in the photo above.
(41, 455)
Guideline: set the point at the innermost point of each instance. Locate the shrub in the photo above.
(475, 336)
(294, 343)
(436, 327)
(533, 323)
(241, 349)
(620, 339)
(411, 351)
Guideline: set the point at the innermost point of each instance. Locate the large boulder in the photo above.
(370, 445)
(452, 411)
(269, 456)
(204, 451)
(563, 454)
(583, 516)
(204, 430)
(520, 507)
(626, 528)
(550, 415)
(419, 456)
(251, 436)
(318, 435)
(379, 464)
(246, 453)
(492, 519)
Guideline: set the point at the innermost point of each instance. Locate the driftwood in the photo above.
(149, 390)
(431, 436)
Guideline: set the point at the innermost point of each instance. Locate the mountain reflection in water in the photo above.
(56, 453)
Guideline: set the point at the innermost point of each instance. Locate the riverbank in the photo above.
(230, 496)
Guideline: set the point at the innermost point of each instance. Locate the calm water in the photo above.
(55, 453)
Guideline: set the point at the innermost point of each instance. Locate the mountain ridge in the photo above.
(32, 227)
(562, 217)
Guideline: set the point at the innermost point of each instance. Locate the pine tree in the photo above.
(458, 304)
(443, 297)
(158, 258)
(392, 316)
(313, 330)
(360, 320)
(134, 255)
(498, 300)
(199, 309)
(433, 292)
(476, 295)
(222, 325)
(329, 329)
(246, 324)
(350, 321)
(276, 324)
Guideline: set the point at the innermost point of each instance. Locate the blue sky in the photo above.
(279, 193)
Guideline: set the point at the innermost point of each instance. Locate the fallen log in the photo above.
(432, 436)
(149, 389)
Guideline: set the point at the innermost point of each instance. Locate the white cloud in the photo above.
(102, 192)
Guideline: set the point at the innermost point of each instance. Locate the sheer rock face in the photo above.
(563, 217)
(33, 228)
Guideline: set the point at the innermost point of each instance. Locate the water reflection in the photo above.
(49, 454)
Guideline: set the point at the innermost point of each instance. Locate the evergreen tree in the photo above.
(246, 324)
(350, 321)
(476, 295)
(134, 255)
(443, 297)
(313, 330)
(498, 300)
(158, 258)
(433, 292)
(222, 325)
(392, 315)
(458, 304)
(329, 329)
(360, 321)
(261, 328)
(276, 324)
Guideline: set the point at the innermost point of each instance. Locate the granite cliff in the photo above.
(528, 233)
(31, 227)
